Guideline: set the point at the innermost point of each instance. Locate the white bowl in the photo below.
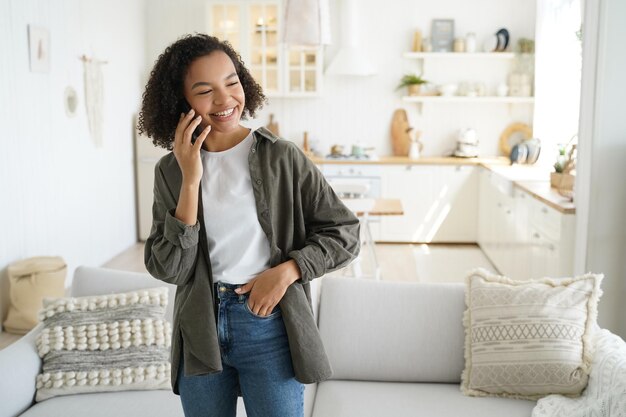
(448, 89)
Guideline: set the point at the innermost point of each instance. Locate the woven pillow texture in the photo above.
(115, 342)
(528, 339)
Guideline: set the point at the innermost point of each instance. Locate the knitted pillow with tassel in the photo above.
(528, 339)
(115, 342)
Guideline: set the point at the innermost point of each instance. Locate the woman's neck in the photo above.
(219, 141)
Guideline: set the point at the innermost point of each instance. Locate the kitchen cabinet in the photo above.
(519, 267)
(254, 28)
(551, 239)
(439, 202)
(522, 236)
(496, 209)
(413, 185)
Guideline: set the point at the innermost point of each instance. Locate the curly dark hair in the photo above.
(163, 100)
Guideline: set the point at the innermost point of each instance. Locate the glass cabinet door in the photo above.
(264, 42)
(226, 23)
(303, 69)
(253, 28)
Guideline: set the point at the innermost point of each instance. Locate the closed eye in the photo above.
(235, 83)
(206, 92)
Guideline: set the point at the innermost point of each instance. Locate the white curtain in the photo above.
(558, 64)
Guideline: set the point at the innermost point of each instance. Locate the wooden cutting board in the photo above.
(400, 137)
(272, 126)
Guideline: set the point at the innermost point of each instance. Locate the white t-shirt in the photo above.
(238, 247)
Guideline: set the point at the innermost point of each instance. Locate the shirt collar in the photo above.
(265, 133)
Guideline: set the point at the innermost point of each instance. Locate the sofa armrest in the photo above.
(19, 366)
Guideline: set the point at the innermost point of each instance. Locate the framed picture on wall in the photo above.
(442, 35)
(39, 48)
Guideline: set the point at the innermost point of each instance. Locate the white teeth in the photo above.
(225, 113)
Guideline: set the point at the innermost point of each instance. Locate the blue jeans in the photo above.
(256, 363)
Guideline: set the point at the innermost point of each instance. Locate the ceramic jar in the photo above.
(470, 42)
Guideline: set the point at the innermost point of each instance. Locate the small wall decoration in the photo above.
(39, 49)
(70, 99)
(442, 35)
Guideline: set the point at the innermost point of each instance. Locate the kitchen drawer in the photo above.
(504, 185)
(545, 256)
(545, 219)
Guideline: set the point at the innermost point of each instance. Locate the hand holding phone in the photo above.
(187, 144)
(198, 130)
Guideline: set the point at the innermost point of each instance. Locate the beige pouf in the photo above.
(30, 281)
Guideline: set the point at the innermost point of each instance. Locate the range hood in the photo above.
(350, 59)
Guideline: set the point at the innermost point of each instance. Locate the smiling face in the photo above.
(212, 88)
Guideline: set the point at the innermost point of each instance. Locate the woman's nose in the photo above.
(219, 96)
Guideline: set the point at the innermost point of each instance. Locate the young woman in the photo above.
(242, 221)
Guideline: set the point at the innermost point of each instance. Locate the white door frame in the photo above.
(593, 41)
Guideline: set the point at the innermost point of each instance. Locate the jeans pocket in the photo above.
(275, 312)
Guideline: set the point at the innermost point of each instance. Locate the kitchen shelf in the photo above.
(447, 55)
(460, 99)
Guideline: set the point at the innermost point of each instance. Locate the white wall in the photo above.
(360, 109)
(601, 204)
(60, 194)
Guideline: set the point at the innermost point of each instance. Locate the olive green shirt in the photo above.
(303, 220)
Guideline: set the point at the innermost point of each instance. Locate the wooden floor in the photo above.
(398, 262)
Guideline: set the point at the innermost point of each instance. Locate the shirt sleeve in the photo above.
(332, 230)
(171, 249)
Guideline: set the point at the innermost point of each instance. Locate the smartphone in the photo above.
(198, 129)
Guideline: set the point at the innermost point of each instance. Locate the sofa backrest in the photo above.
(393, 331)
(102, 281)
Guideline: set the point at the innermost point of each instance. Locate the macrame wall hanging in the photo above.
(94, 96)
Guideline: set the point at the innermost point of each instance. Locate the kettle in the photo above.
(468, 136)
(467, 143)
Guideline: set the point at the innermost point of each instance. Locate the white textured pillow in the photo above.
(528, 339)
(114, 342)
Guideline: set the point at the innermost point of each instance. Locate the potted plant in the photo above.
(562, 178)
(412, 82)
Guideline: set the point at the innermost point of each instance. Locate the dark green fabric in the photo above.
(303, 220)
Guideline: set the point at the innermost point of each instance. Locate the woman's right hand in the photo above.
(188, 154)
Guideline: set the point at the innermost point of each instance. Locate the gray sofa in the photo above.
(396, 349)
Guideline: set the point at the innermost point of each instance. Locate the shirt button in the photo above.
(259, 181)
(253, 150)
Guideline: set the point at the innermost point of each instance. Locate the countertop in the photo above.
(535, 181)
(548, 195)
(427, 160)
(532, 179)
